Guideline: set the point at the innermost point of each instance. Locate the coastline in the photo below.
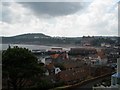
(38, 46)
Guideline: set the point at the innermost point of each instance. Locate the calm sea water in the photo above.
(30, 47)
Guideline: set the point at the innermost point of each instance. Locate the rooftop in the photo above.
(116, 75)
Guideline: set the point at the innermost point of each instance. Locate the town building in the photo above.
(75, 71)
(115, 80)
(84, 51)
(87, 40)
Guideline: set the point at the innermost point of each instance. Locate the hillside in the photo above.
(42, 39)
(31, 35)
(38, 38)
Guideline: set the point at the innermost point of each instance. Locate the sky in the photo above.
(63, 19)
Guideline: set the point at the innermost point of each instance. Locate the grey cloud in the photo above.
(53, 8)
(43, 9)
(6, 16)
(6, 13)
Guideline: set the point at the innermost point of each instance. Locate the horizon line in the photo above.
(62, 36)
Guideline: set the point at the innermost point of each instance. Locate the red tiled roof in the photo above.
(50, 66)
(101, 54)
(75, 74)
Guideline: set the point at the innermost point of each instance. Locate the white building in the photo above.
(46, 60)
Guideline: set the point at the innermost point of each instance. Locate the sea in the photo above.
(31, 47)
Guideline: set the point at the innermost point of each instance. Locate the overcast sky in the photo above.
(66, 19)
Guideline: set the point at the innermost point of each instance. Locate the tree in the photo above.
(19, 65)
